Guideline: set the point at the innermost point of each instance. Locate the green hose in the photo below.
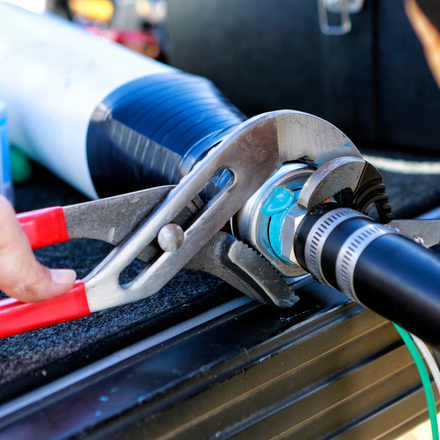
(425, 379)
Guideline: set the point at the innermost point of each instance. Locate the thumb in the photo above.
(21, 275)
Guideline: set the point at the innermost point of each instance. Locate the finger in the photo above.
(21, 275)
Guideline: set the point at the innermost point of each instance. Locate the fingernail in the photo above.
(63, 276)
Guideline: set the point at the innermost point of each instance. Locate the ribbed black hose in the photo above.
(151, 131)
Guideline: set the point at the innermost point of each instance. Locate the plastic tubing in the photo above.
(425, 379)
(432, 364)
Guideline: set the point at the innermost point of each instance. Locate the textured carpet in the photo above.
(410, 194)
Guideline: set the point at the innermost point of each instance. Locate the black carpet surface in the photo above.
(410, 194)
(38, 357)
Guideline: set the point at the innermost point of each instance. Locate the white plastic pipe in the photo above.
(53, 75)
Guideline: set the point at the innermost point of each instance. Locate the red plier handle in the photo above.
(43, 228)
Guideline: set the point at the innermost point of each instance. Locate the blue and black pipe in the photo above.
(153, 130)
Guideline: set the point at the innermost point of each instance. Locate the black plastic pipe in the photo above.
(394, 276)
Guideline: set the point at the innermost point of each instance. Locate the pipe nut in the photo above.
(291, 222)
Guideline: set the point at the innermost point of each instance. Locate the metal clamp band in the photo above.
(318, 235)
(350, 252)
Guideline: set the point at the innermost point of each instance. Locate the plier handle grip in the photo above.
(43, 228)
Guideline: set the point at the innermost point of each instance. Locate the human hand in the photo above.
(21, 275)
